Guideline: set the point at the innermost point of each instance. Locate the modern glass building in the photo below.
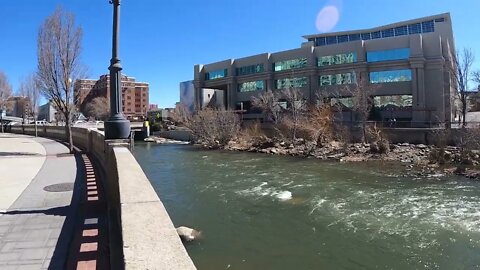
(408, 63)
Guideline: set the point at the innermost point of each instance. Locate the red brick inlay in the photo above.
(89, 247)
(90, 232)
(87, 265)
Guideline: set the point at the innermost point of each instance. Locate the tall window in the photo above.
(342, 102)
(290, 64)
(249, 69)
(216, 74)
(250, 86)
(292, 83)
(336, 79)
(401, 75)
(337, 59)
(388, 55)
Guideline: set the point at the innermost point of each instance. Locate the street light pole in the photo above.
(116, 127)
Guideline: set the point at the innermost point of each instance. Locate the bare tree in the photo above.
(29, 89)
(296, 107)
(267, 101)
(99, 108)
(362, 92)
(181, 115)
(5, 93)
(462, 64)
(214, 128)
(58, 53)
(476, 78)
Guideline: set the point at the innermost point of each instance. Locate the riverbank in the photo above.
(419, 160)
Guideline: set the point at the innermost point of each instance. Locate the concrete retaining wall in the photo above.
(179, 135)
(142, 236)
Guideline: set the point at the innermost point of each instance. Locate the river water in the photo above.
(257, 211)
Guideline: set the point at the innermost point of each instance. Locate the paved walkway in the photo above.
(43, 197)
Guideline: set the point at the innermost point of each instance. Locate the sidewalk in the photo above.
(42, 197)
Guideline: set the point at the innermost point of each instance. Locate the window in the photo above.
(337, 59)
(387, 33)
(249, 69)
(291, 82)
(428, 26)
(342, 38)
(321, 41)
(216, 74)
(346, 102)
(401, 75)
(390, 102)
(336, 79)
(415, 28)
(388, 55)
(332, 40)
(366, 36)
(250, 86)
(440, 20)
(353, 37)
(376, 35)
(401, 31)
(290, 64)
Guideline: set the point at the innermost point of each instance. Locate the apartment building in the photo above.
(409, 63)
(135, 95)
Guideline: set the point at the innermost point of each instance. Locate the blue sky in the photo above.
(161, 40)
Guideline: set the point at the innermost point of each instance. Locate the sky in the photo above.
(162, 40)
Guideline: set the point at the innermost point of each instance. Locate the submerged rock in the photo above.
(188, 234)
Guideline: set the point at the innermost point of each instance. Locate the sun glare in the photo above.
(327, 18)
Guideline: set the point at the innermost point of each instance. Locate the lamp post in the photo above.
(116, 127)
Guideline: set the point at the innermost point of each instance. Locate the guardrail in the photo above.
(142, 235)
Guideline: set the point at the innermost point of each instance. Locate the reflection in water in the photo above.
(265, 212)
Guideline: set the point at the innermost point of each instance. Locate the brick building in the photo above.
(135, 95)
(18, 106)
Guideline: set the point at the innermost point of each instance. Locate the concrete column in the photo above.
(419, 104)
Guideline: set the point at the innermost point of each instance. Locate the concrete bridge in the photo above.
(140, 232)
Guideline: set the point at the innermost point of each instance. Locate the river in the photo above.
(258, 211)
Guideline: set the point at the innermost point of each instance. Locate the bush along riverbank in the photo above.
(312, 131)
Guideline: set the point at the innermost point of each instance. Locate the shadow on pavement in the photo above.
(4, 154)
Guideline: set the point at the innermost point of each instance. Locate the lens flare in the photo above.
(327, 18)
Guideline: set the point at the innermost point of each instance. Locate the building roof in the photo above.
(445, 16)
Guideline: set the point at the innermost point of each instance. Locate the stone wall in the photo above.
(142, 235)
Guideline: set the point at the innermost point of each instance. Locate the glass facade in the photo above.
(342, 38)
(290, 64)
(216, 74)
(415, 28)
(251, 86)
(388, 55)
(393, 102)
(332, 40)
(338, 59)
(336, 79)
(249, 69)
(291, 83)
(401, 75)
(401, 31)
(346, 102)
(411, 29)
(428, 27)
(376, 35)
(388, 33)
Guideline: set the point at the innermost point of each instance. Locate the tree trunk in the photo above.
(1, 119)
(464, 114)
(364, 133)
(36, 128)
(68, 132)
